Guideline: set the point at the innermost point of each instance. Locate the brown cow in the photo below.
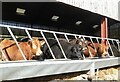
(92, 50)
(30, 49)
(96, 49)
(103, 50)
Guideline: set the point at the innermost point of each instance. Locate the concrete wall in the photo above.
(109, 8)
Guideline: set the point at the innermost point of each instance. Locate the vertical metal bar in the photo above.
(60, 46)
(83, 53)
(66, 37)
(79, 36)
(92, 69)
(88, 48)
(110, 48)
(97, 41)
(114, 45)
(28, 34)
(75, 36)
(47, 44)
(16, 43)
(3, 54)
(97, 73)
(118, 43)
(93, 44)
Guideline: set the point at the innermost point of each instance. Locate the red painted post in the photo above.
(104, 29)
(106, 20)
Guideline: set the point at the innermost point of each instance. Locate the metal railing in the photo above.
(112, 43)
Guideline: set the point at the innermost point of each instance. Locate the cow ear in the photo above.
(77, 41)
(30, 43)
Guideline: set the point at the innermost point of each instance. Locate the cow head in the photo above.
(81, 42)
(103, 50)
(76, 52)
(35, 46)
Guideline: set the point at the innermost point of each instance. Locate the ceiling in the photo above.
(41, 13)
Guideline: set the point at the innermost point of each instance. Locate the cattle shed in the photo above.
(59, 18)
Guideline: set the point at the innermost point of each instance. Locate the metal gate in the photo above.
(33, 68)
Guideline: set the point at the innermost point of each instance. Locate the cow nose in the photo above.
(105, 54)
(38, 53)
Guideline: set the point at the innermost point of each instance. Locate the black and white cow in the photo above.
(72, 51)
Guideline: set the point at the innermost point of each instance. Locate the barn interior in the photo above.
(56, 16)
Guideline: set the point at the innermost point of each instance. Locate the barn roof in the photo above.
(80, 19)
(109, 8)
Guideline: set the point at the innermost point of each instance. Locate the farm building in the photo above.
(94, 21)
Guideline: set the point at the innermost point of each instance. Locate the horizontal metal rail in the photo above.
(1, 25)
(30, 69)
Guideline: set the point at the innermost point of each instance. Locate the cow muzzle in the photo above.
(105, 54)
(38, 53)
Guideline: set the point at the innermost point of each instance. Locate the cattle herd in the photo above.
(37, 49)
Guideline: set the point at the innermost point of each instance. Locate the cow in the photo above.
(30, 49)
(92, 49)
(103, 50)
(97, 49)
(72, 51)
